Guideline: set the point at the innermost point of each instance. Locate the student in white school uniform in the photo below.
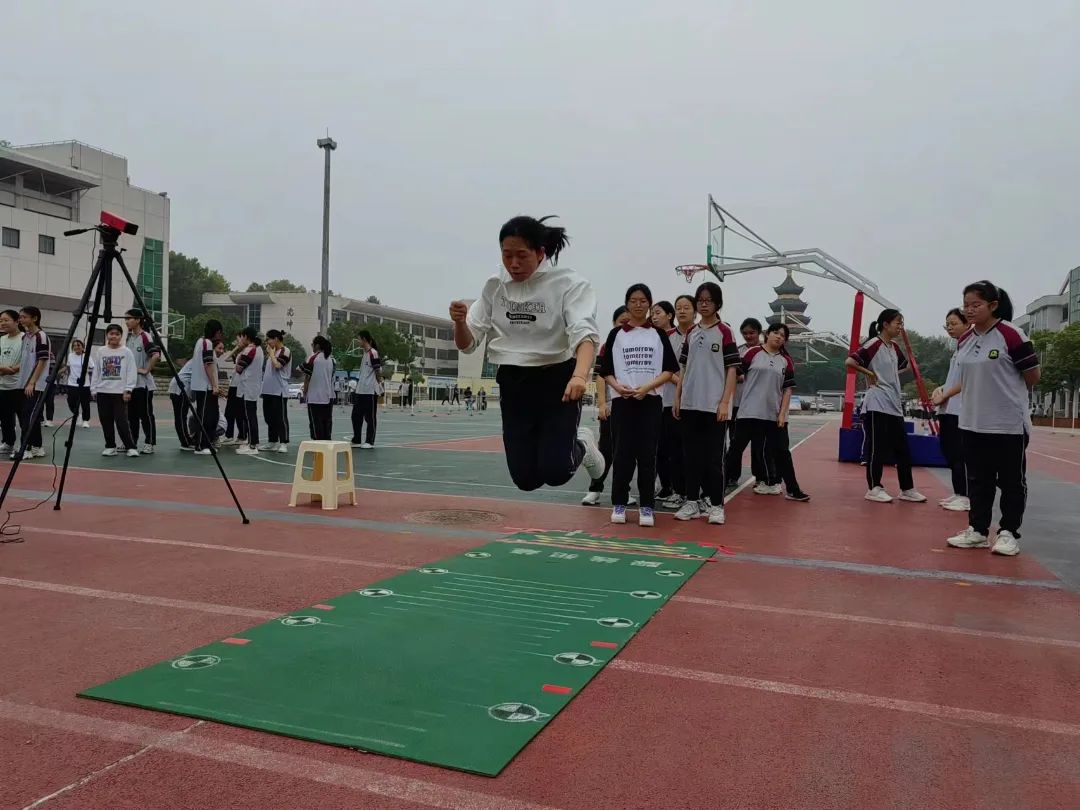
(605, 395)
(33, 378)
(750, 329)
(249, 383)
(768, 379)
(78, 397)
(365, 402)
(147, 353)
(670, 434)
(11, 346)
(948, 416)
(998, 367)
(709, 361)
(319, 388)
(636, 362)
(277, 371)
(117, 378)
(539, 322)
(204, 385)
(881, 360)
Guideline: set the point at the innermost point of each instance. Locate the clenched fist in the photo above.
(459, 310)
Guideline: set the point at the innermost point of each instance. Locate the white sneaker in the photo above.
(716, 515)
(47, 423)
(6, 448)
(147, 449)
(761, 488)
(268, 446)
(969, 538)
(689, 511)
(593, 462)
(1006, 544)
(774, 489)
(645, 517)
(674, 502)
(281, 448)
(86, 424)
(618, 514)
(879, 495)
(109, 452)
(366, 446)
(912, 496)
(591, 499)
(247, 450)
(37, 452)
(958, 504)
(948, 500)
(228, 441)
(132, 453)
(204, 452)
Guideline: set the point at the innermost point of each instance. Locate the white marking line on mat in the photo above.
(310, 769)
(937, 711)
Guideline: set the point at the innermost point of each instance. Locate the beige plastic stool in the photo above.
(324, 483)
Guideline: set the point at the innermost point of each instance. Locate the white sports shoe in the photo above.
(969, 538)
(132, 453)
(716, 515)
(5, 448)
(958, 504)
(47, 423)
(761, 488)
(774, 489)
(948, 500)
(879, 495)
(109, 452)
(593, 462)
(674, 502)
(618, 514)
(645, 517)
(1006, 544)
(37, 452)
(912, 496)
(147, 449)
(366, 446)
(591, 499)
(281, 448)
(689, 511)
(269, 446)
(86, 424)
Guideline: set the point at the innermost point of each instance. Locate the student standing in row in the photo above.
(33, 364)
(277, 371)
(78, 396)
(177, 397)
(11, 344)
(605, 395)
(998, 367)
(949, 418)
(365, 402)
(881, 360)
(636, 362)
(234, 404)
(768, 379)
(669, 426)
(663, 318)
(319, 388)
(147, 354)
(751, 334)
(113, 388)
(249, 383)
(539, 322)
(204, 384)
(709, 361)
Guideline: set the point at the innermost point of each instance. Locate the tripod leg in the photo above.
(183, 391)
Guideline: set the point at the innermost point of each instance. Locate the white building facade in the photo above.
(49, 188)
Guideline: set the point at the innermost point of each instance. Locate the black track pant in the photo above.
(738, 441)
(207, 411)
(234, 416)
(884, 435)
(365, 408)
(704, 441)
(34, 430)
(996, 461)
(770, 453)
(606, 450)
(140, 411)
(79, 401)
(671, 440)
(539, 429)
(321, 421)
(276, 415)
(180, 419)
(635, 430)
(50, 405)
(113, 413)
(952, 447)
(250, 422)
(10, 414)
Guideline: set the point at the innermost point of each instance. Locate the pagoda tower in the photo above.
(788, 307)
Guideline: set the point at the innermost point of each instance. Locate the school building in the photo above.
(49, 188)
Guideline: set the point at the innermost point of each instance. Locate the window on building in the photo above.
(46, 244)
(254, 316)
(430, 331)
(430, 353)
(150, 276)
(418, 330)
(445, 334)
(11, 237)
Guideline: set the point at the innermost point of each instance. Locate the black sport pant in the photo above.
(27, 410)
(761, 434)
(885, 435)
(50, 404)
(79, 401)
(364, 409)
(952, 448)
(10, 413)
(539, 429)
(606, 450)
(996, 461)
(321, 421)
(180, 419)
(704, 441)
(140, 412)
(672, 452)
(113, 413)
(249, 422)
(207, 411)
(276, 414)
(738, 441)
(635, 431)
(234, 415)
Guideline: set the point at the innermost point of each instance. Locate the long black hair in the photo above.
(618, 313)
(34, 313)
(364, 334)
(715, 293)
(959, 313)
(213, 326)
(641, 288)
(886, 316)
(780, 327)
(322, 344)
(549, 238)
(992, 294)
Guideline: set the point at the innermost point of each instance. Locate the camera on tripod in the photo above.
(109, 223)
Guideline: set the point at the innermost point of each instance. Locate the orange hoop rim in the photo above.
(687, 271)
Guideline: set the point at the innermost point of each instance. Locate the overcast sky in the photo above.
(926, 143)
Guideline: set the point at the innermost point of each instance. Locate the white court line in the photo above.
(308, 769)
(512, 620)
(571, 588)
(1055, 458)
(794, 447)
(937, 711)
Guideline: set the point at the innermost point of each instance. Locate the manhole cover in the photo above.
(454, 516)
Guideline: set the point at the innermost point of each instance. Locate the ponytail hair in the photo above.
(34, 313)
(992, 294)
(549, 238)
(322, 344)
(364, 334)
(885, 317)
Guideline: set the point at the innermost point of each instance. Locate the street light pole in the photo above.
(328, 145)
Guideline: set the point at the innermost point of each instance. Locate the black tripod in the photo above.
(100, 286)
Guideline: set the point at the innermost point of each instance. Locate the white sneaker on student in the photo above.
(761, 488)
(147, 449)
(912, 496)
(689, 511)
(282, 448)
(132, 453)
(716, 515)
(367, 446)
(674, 502)
(271, 446)
(47, 423)
(204, 452)
(591, 499)
(37, 452)
(5, 448)
(774, 489)
(246, 450)
(109, 452)
(879, 495)
(593, 462)
(958, 504)
(618, 514)
(969, 538)
(1006, 543)
(948, 500)
(645, 517)
(86, 424)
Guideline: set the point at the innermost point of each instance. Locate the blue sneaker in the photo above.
(645, 517)
(618, 514)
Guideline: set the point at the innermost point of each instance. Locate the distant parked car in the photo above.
(796, 404)
(296, 390)
(826, 406)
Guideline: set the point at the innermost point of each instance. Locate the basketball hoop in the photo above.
(687, 271)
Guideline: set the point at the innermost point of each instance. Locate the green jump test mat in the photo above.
(459, 663)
